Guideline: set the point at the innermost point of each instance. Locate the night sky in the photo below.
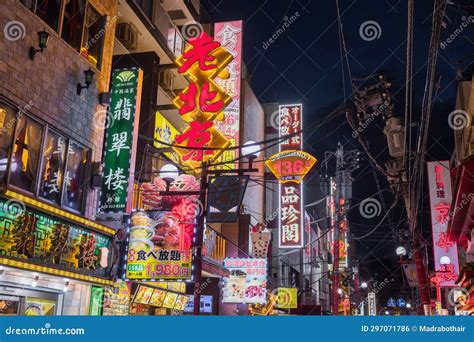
(304, 65)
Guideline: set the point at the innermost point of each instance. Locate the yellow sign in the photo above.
(166, 132)
(144, 263)
(291, 165)
(287, 298)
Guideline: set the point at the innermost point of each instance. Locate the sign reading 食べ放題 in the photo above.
(120, 140)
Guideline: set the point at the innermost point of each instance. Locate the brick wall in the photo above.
(49, 82)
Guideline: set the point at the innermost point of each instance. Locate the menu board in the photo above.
(181, 302)
(157, 298)
(170, 300)
(117, 300)
(143, 295)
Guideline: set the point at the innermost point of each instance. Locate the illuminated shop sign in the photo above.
(160, 298)
(37, 238)
(247, 281)
(165, 132)
(229, 35)
(121, 141)
(287, 298)
(445, 251)
(203, 101)
(290, 166)
(290, 232)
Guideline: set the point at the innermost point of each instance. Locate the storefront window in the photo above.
(26, 154)
(7, 126)
(54, 156)
(48, 10)
(93, 38)
(75, 177)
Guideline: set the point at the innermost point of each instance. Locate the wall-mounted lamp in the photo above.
(89, 75)
(43, 38)
(66, 285)
(34, 283)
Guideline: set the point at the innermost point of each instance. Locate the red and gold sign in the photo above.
(203, 101)
(290, 166)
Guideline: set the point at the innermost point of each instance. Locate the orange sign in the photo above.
(291, 165)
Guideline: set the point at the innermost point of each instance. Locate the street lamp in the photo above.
(169, 172)
(251, 150)
(364, 285)
(408, 306)
(401, 251)
(444, 260)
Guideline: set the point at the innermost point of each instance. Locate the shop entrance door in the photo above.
(26, 302)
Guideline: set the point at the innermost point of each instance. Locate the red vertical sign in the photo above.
(445, 251)
(291, 226)
(229, 35)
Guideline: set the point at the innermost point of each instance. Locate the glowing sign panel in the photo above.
(290, 166)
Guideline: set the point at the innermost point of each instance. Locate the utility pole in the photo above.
(346, 163)
(371, 102)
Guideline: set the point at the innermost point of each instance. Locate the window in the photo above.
(26, 153)
(55, 170)
(92, 40)
(48, 10)
(54, 157)
(7, 126)
(83, 29)
(75, 177)
(73, 22)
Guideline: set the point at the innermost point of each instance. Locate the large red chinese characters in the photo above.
(203, 101)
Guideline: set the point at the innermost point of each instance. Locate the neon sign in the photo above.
(289, 166)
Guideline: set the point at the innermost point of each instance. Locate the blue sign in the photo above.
(401, 303)
(391, 303)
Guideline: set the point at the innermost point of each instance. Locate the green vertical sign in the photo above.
(119, 154)
(97, 294)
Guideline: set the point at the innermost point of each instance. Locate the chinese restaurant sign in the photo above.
(160, 246)
(121, 141)
(287, 298)
(165, 132)
(247, 281)
(439, 182)
(291, 195)
(203, 101)
(290, 166)
(229, 35)
(35, 237)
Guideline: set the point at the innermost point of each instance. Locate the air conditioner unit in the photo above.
(166, 80)
(127, 34)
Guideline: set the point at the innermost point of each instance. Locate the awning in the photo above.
(213, 267)
(462, 207)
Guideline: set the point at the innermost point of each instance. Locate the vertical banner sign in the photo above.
(121, 141)
(372, 304)
(439, 181)
(291, 195)
(229, 35)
